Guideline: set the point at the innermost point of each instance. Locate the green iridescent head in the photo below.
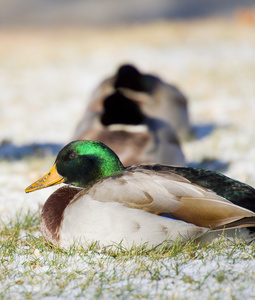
(80, 163)
(83, 162)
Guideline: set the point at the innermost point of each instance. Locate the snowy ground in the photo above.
(47, 76)
(92, 276)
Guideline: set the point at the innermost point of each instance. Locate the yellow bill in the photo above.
(49, 179)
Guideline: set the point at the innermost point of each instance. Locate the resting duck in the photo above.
(135, 137)
(156, 98)
(111, 204)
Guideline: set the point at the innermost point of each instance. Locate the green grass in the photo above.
(31, 269)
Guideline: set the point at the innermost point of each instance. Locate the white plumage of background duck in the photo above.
(139, 204)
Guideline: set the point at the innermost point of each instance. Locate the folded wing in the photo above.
(169, 193)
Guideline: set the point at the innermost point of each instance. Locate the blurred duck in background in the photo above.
(119, 122)
(156, 98)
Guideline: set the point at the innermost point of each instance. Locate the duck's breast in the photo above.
(86, 220)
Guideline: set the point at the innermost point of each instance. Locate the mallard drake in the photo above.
(139, 204)
(156, 98)
(135, 137)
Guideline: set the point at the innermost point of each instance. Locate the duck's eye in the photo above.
(72, 155)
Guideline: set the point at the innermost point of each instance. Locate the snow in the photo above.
(201, 278)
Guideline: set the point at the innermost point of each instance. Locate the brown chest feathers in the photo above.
(53, 212)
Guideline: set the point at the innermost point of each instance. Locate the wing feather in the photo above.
(162, 193)
(208, 212)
